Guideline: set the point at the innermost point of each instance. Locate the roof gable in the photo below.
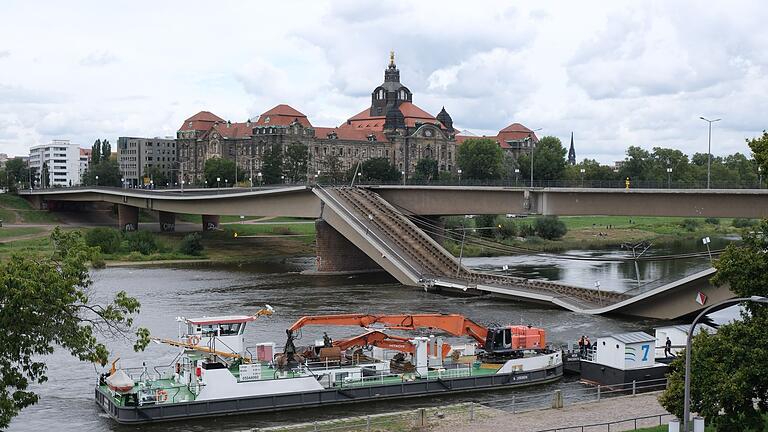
(282, 115)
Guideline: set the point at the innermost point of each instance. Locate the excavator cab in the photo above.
(510, 341)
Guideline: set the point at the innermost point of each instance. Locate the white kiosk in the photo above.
(623, 358)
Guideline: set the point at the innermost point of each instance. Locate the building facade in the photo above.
(392, 127)
(140, 159)
(55, 164)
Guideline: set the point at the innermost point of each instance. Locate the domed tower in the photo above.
(394, 118)
(389, 92)
(445, 118)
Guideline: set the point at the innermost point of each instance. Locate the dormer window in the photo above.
(402, 94)
(266, 120)
(381, 94)
(371, 137)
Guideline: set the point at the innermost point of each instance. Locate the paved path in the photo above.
(607, 410)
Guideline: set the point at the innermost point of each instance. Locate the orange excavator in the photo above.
(382, 340)
(507, 341)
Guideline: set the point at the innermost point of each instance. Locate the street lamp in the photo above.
(759, 177)
(517, 173)
(97, 180)
(122, 182)
(282, 178)
(226, 183)
(459, 171)
(582, 171)
(258, 175)
(709, 147)
(530, 143)
(669, 177)
(720, 305)
(218, 182)
(402, 173)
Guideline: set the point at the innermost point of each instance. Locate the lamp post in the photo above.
(530, 143)
(709, 147)
(517, 174)
(759, 177)
(97, 180)
(258, 176)
(226, 183)
(582, 171)
(459, 171)
(282, 178)
(669, 177)
(402, 173)
(720, 305)
(122, 182)
(218, 182)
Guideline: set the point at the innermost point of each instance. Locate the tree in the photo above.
(272, 168)
(332, 171)
(379, 170)
(548, 160)
(158, 176)
(426, 170)
(223, 169)
(759, 147)
(106, 150)
(549, 227)
(296, 159)
(108, 172)
(729, 374)
(637, 165)
(480, 159)
(16, 171)
(96, 153)
(45, 302)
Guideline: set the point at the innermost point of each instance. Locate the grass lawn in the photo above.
(37, 216)
(15, 202)
(27, 247)
(6, 232)
(271, 229)
(8, 216)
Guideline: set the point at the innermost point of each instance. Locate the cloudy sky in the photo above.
(616, 73)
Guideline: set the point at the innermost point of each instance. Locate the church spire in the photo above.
(572, 153)
(392, 59)
(392, 74)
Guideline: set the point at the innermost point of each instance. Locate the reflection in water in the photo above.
(196, 290)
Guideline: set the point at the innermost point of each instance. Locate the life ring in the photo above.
(194, 339)
(161, 396)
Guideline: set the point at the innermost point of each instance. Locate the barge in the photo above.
(215, 374)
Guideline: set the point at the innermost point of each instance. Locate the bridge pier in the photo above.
(210, 222)
(128, 217)
(167, 221)
(336, 254)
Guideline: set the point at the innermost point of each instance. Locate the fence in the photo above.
(569, 394)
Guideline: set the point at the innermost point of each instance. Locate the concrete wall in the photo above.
(337, 254)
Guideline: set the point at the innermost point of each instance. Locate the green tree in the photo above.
(191, 244)
(426, 170)
(480, 159)
(549, 227)
(272, 168)
(158, 176)
(108, 240)
(729, 374)
(106, 150)
(16, 171)
(548, 160)
(46, 302)
(593, 171)
(96, 153)
(379, 170)
(759, 147)
(637, 165)
(108, 172)
(296, 159)
(332, 171)
(222, 169)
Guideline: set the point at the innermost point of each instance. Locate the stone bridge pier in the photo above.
(167, 221)
(210, 222)
(336, 254)
(128, 217)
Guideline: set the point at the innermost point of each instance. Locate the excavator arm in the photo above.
(382, 340)
(456, 325)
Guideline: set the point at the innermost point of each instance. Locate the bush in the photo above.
(98, 262)
(507, 227)
(743, 223)
(712, 221)
(142, 241)
(107, 239)
(191, 244)
(485, 221)
(526, 230)
(549, 227)
(690, 224)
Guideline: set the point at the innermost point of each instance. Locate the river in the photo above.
(66, 400)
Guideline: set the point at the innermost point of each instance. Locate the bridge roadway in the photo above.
(374, 219)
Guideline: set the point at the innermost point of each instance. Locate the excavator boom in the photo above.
(382, 340)
(456, 325)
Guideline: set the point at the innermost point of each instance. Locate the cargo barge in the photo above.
(214, 374)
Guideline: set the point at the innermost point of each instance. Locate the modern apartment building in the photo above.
(140, 159)
(55, 164)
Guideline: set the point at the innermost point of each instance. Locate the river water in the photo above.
(66, 400)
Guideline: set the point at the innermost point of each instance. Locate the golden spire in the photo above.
(392, 58)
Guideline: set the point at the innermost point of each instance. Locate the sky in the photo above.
(615, 73)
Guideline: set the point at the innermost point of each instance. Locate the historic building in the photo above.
(392, 127)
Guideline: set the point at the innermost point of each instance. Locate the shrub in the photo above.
(107, 239)
(98, 262)
(507, 227)
(485, 221)
(712, 221)
(142, 241)
(191, 244)
(526, 230)
(690, 224)
(743, 223)
(549, 227)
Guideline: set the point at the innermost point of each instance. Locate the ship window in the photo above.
(507, 338)
(230, 329)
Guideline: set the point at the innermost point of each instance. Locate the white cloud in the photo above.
(617, 74)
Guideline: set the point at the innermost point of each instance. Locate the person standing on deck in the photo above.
(668, 348)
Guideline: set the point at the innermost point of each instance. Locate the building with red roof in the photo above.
(392, 127)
